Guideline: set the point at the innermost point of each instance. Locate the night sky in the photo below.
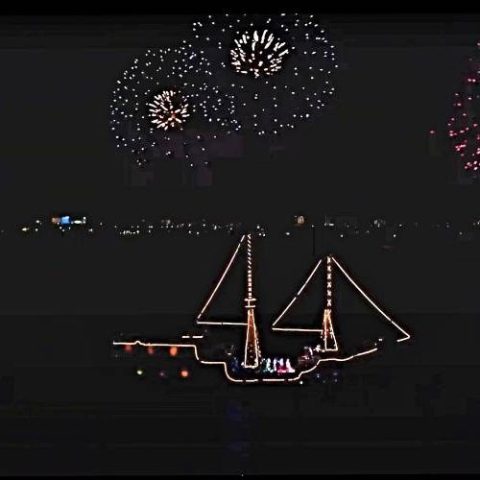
(395, 83)
(68, 405)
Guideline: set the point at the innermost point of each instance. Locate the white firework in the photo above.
(258, 53)
(162, 94)
(168, 110)
(278, 69)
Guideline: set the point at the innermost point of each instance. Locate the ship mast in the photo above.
(328, 334)
(252, 347)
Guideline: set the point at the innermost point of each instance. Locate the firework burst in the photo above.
(464, 125)
(278, 69)
(169, 110)
(163, 92)
(258, 53)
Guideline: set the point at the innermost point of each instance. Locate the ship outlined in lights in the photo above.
(251, 367)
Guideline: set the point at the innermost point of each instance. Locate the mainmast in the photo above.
(252, 347)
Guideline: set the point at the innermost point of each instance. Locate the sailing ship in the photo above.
(249, 365)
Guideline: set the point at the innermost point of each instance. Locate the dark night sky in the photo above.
(395, 83)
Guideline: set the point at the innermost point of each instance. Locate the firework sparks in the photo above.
(168, 110)
(162, 92)
(278, 69)
(464, 125)
(258, 53)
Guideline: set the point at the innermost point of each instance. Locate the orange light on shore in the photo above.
(150, 350)
(300, 220)
(184, 373)
(173, 351)
(128, 348)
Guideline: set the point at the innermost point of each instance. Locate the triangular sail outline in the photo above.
(374, 305)
(253, 330)
(357, 287)
(294, 299)
(199, 320)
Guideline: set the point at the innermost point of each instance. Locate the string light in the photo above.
(374, 305)
(294, 299)
(263, 368)
(252, 349)
(255, 55)
(199, 320)
(327, 318)
(328, 334)
(224, 365)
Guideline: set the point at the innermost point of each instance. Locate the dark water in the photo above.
(256, 432)
(68, 406)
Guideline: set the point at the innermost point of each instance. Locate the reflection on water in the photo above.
(72, 408)
(238, 440)
(381, 420)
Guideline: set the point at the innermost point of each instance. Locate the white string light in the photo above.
(252, 356)
(217, 286)
(328, 333)
(252, 348)
(294, 379)
(330, 275)
(294, 299)
(374, 305)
